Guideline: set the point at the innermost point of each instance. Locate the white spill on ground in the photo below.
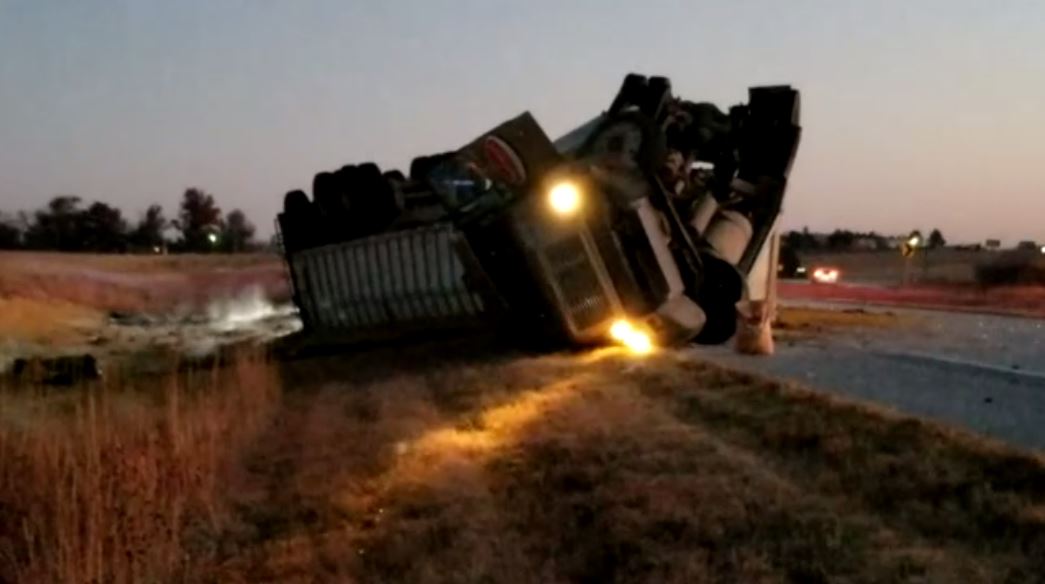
(247, 316)
(250, 309)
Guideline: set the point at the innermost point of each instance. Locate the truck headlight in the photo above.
(564, 198)
(626, 334)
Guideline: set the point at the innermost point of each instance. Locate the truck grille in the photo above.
(577, 282)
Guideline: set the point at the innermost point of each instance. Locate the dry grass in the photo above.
(140, 263)
(457, 462)
(54, 322)
(132, 283)
(121, 482)
(595, 468)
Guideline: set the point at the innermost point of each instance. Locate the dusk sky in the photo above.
(916, 113)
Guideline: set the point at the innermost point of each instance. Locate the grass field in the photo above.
(59, 299)
(464, 463)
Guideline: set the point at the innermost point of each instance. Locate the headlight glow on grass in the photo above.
(626, 334)
(564, 198)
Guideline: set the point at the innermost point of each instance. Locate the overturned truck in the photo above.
(640, 226)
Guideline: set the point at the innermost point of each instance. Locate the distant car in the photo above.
(825, 275)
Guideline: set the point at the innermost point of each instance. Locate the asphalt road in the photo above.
(984, 373)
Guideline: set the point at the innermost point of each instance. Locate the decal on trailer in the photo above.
(503, 161)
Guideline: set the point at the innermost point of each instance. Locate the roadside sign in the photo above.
(907, 250)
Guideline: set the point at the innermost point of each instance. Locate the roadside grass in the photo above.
(599, 468)
(463, 462)
(937, 483)
(121, 481)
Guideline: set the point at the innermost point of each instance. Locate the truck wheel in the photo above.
(374, 198)
(419, 168)
(394, 176)
(723, 283)
(658, 93)
(324, 191)
(331, 212)
(296, 203)
(631, 93)
(721, 324)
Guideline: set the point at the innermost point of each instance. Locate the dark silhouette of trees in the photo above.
(102, 228)
(66, 225)
(841, 239)
(148, 234)
(801, 240)
(10, 233)
(936, 239)
(199, 220)
(57, 226)
(238, 233)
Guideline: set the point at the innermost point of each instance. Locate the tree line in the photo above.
(67, 224)
(844, 239)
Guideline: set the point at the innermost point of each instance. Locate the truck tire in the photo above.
(419, 168)
(324, 191)
(373, 198)
(296, 203)
(632, 92)
(721, 289)
(394, 176)
(331, 212)
(720, 326)
(658, 94)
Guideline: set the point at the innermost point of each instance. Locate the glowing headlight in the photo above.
(564, 198)
(626, 334)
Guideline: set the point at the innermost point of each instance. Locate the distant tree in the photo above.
(936, 239)
(841, 239)
(57, 226)
(10, 233)
(149, 231)
(238, 233)
(199, 218)
(801, 240)
(102, 228)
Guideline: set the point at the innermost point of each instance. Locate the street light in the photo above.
(212, 238)
(914, 241)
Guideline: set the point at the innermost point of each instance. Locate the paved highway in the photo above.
(984, 373)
